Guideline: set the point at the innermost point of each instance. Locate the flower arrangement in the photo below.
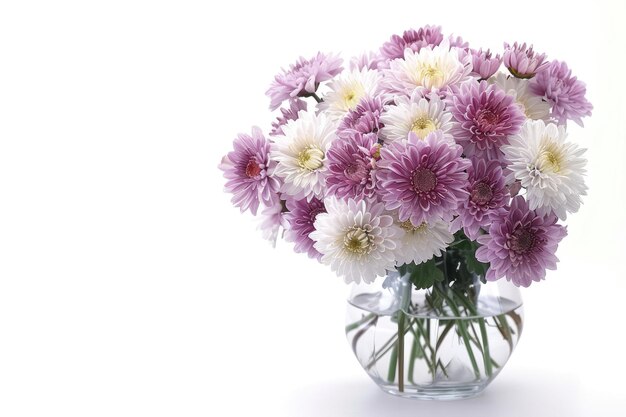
(424, 163)
(413, 149)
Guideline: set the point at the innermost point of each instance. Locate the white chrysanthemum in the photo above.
(356, 239)
(532, 106)
(301, 155)
(347, 90)
(420, 243)
(428, 70)
(418, 115)
(550, 168)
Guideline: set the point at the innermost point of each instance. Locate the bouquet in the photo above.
(425, 160)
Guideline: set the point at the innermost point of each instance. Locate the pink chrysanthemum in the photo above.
(248, 170)
(303, 78)
(300, 218)
(412, 39)
(458, 42)
(351, 167)
(485, 117)
(272, 219)
(523, 62)
(487, 193)
(484, 65)
(565, 93)
(520, 244)
(365, 118)
(424, 180)
(288, 114)
(366, 61)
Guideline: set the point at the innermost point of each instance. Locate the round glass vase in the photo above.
(441, 343)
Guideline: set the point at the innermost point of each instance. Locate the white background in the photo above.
(128, 284)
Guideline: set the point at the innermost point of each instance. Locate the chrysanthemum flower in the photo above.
(420, 243)
(367, 61)
(484, 65)
(520, 245)
(419, 115)
(565, 93)
(271, 221)
(458, 42)
(429, 70)
(412, 39)
(301, 155)
(485, 117)
(364, 118)
(347, 90)
(351, 167)
(523, 62)
(356, 239)
(295, 106)
(550, 168)
(248, 169)
(303, 78)
(423, 179)
(487, 193)
(300, 216)
(531, 104)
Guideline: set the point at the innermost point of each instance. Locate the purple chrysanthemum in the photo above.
(458, 42)
(365, 118)
(351, 167)
(367, 61)
(485, 117)
(523, 62)
(565, 93)
(272, 219)
(487, 193)
(520, 244)
(300, 218)
(424, 180)
(303, 78)
(412, 39)
(248, 170)
(484, 65)
(287, 114)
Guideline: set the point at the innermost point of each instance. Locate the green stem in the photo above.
(460, 324)
(389, 344)
(462, 331)
(401, 317)
(486, 355)
(432, 366)
(316, 97)
(356, 324)
(483, 332)
(360, 333)
(414, 356)
(443, 334)
(391, 375)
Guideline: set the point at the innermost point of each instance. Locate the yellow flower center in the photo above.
(351, 95)
(551, 158)
(408, 226)
(422, 126)
(357, 241)
(311, 158)
(431, 75)
(351, 99)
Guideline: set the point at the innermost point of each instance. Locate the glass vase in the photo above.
(444, 342)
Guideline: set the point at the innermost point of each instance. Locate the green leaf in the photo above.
(424, 275)
(474, 265)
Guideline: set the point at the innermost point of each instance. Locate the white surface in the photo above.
(128, 284)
